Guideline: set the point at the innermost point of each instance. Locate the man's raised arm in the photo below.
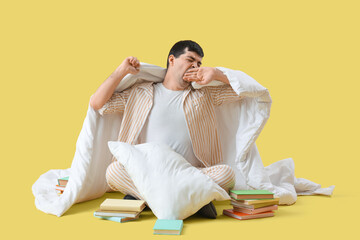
(104, 92)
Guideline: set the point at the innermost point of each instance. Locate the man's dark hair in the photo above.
(179, 48)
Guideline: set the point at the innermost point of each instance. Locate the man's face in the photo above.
(184, 62)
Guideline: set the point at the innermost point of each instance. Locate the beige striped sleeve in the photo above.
(116, 103)
(223, 94)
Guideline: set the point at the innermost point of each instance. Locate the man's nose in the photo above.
(194, 65)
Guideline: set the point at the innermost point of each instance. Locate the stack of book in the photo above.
(120, 210)
(60, 188)
(250, 204)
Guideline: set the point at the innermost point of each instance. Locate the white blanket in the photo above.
(240, 123)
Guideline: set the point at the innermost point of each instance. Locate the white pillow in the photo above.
(171, 186)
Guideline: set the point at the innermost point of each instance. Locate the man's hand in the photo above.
(204, 75)
(130, 65)
(104, 92)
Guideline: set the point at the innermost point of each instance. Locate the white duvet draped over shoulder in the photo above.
(239, 125)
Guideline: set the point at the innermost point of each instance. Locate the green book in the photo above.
(168, 227)
(251, 194)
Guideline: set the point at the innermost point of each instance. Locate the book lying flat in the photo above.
(251, 194)
(244, 216)
(117, 219)
(60, 188)
(253, 206)
(123, 205)
(257, 210)
(63, 181)
(275, 201)
(111, 213)
(168, 227)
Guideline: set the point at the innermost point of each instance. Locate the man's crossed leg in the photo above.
(118, 180)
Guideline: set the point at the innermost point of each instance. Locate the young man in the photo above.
(170, 112)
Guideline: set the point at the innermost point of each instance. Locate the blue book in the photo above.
(168, 227)
(117, 219)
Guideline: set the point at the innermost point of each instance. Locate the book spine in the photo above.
(112, 208)
(113, 219)
(101, 214)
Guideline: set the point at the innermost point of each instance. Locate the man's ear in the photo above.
(171, 60)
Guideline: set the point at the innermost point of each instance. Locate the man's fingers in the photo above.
(133, 60)
(136, 64)
(192, 70)
(192, 79)
(190, 74)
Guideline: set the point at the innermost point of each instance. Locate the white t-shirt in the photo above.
(166, 123)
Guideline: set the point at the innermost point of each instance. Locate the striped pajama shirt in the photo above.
(199, 108)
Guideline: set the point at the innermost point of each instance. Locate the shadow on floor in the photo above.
(92, 205)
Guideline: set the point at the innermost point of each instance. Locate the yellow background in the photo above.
(54, 55)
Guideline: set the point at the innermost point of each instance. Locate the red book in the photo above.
(244, 216)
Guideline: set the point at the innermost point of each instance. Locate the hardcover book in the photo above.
(257, 210)
(59, 188)
(273, 201)
(244, 216)
(110, 213)
(63, 181)
(123, 205)
(251, 194)
(117, 219)
(252, 206)
(168, 227)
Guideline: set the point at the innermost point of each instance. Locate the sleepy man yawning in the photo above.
(170, 112)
